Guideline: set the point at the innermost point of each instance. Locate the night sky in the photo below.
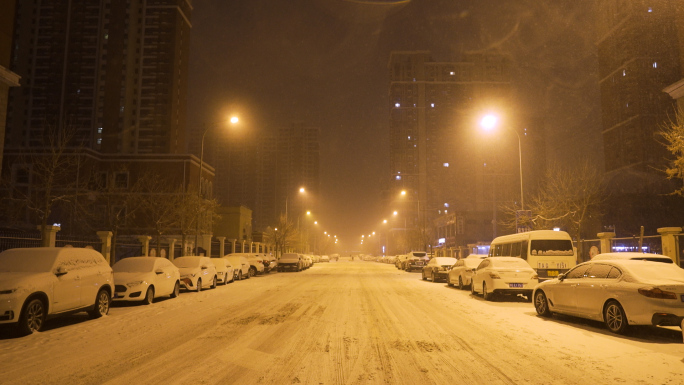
(324, 62)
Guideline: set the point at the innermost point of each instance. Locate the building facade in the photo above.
(113, 72)
(438, 153)
(7, 78)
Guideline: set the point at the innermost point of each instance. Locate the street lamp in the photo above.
(233, 120)
(489, 122)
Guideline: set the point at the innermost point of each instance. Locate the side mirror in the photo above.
(61, 271)
(561, 276)
(159, 271)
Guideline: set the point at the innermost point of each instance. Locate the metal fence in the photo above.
(78, 241)
(10, 239)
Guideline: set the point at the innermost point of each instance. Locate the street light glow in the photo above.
(234, 119)
(395, 212)
(489, 122)
(384, 221)
(403, 192)
(302, 190)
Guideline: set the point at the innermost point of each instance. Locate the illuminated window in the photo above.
(655, 64)
(432, 105)
(409, 138)
(398, 177)
(624, 72)
(650, 9)
(452, 73)
(397, 105)
(446, 164)
(446, 205)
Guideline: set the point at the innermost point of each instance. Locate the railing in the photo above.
(78, 241)
(10, 239)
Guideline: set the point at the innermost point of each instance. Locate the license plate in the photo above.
(552, 273)
(515, 285)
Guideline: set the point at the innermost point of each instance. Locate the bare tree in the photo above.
(282, 236)
(568, 197)
(673, 136)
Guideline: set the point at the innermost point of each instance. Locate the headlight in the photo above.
(134, 283)
(10, 291)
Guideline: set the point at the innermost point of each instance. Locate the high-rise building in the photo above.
(265, 171)
(7, 78)
(639, 54)
(438, 153)
(113, 72)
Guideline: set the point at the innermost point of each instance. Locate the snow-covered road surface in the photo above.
(337, 323)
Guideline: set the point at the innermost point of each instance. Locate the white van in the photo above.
(548, 252)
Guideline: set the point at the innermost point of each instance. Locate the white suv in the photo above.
(37, 283)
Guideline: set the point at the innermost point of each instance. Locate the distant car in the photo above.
(144, 279)
(438, 268)
(308, 260)
(291, 261)
(224, 270)
(43, 282)
(197, 273)
(462, 271)
(240, 264)
(617, 292)
(325, 258)
(256, 263)
(504, 275)
(633, 256)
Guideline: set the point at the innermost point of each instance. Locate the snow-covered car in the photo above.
(634, 256)
(308, 261)
(438, 268)
(617, 292)
(42, 282)
(224, 270)
(144, 279)
(325, 258)
(462, 271)
(291, 261)
(504, 275)
(196, 273)
(240, 265)
(256, 263)
(269, 262)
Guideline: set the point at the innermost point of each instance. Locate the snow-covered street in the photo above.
(338, 323)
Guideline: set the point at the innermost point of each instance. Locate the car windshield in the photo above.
(21, 261)
(657, 271)
(551, 247)
(186, 262)
(134, 265)
(510, 264)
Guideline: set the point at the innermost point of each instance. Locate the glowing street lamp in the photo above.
(233, 120)
(489, 122)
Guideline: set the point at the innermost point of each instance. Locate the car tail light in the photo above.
(494, 275)
(655, 292)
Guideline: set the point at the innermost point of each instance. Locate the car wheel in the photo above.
(448, 280)
(32, 318)
(176, 290)
(240, 276)
(252, 271)
(424, 277)
(472, 287)
(199, 285)
(433, 277)
(541, 304)
(149, 296)
(213, 283)
(615, 318)
(485, 295)
(101, 307)
(460, 283)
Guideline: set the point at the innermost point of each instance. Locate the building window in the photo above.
(446, 164)
(121, 180)
(655, 64)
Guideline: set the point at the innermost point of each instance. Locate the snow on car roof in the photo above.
(42, 259)
(135, 265)
(633, 256)
(187, 261)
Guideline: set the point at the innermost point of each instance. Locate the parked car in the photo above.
(438, 268)
(504, 275)
(197, 273)
(308, 261)
(617, 292)
(462, 271)
(270, 263)
(634, 256)
(224, 270)
(291, 261)
(325, 258)
(256, 263)
(144, 279)
(240, 265)
(43, 282)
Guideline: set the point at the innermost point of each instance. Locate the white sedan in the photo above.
(617, 292)
(224, 270)
(144, 279)
(462, 271)
(504, 275)
(196, 273)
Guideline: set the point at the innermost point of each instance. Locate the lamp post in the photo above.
(233, 120)
(488, 123)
